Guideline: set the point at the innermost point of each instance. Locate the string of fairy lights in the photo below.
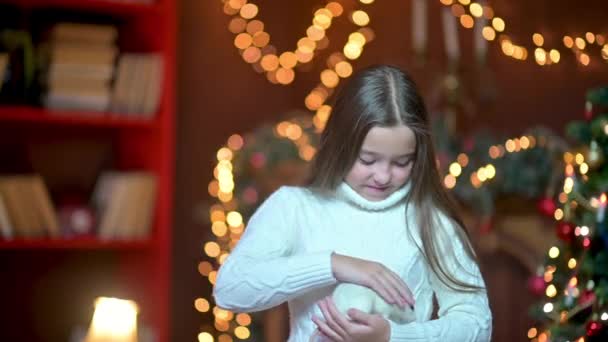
(254, 45)
(496, 30)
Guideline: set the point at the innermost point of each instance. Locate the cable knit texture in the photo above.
(285, 255)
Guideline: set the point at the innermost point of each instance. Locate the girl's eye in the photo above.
(366, 162)
(403, 164)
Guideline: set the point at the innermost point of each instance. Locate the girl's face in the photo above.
(385, 162)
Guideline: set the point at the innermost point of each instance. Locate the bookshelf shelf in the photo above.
(76, 244)
(37, 115)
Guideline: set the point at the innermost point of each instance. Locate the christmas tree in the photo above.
(574, 279)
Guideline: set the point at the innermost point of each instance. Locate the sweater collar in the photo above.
(344, 191)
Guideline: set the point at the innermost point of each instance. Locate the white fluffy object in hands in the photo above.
(348, 296)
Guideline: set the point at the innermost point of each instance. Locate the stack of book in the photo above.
(80, 66)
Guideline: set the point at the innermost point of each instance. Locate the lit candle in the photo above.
(481, 44)
(419, 25)
(450, 35)
(114, 320)
(601, 211)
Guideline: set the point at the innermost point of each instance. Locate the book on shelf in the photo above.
(6, 227)
(26, 210)
(3, 67)
(137, 87)
(124, 202)
(80, 64)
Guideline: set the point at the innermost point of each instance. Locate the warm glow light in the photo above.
(352, 50)
(306, 45)
(488, 33)
(249, 11)
(201, 305)
(243, 40)
(551, 291)
(242, 332)
(261, 39)
(288, 60)
(360, 18)
(335, 8)
(237, 25)
(548, 307)
(559, 214)
(329, 78)
(554, 55)
(476, 10)
(467, 21)
(270, 62)
(449, 181)
(538, 39)
(499, 24)
(455, 169)
(344, 69)
(532, 333)
(234, 219)
(285, 76)
(212, 249)
(553, 252)
(315, 32)
(205, 337)
(113, 320)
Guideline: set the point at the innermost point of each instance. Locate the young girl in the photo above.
(375, 214)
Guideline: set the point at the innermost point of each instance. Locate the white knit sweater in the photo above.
(284, 255)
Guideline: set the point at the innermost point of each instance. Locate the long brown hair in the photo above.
(385, 96)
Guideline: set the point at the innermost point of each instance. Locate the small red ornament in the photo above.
(547, 206)
(537, 285)
(594, 328)
(588, 296)
(565, 231)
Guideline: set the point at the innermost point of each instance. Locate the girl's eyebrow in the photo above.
(378, 154)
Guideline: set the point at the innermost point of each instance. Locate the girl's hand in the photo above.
(373, 275)
(362, 327)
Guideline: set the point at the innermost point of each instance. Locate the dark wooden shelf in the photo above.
(98, 6)
(77, 118)
(76, 243)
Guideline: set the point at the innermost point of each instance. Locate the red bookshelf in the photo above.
(36, 115)
(50, 284)
(77, 243)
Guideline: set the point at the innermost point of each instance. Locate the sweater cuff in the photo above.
(310, 271)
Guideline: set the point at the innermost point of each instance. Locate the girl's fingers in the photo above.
(326, 330)
(330, 318)
(382, 285)
(340, 318)
(404, 292)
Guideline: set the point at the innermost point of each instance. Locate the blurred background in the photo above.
(138, 136)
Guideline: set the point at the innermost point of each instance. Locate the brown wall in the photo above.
(219, 94)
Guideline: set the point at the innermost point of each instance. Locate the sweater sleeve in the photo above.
(463, 316)
(262, 271)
